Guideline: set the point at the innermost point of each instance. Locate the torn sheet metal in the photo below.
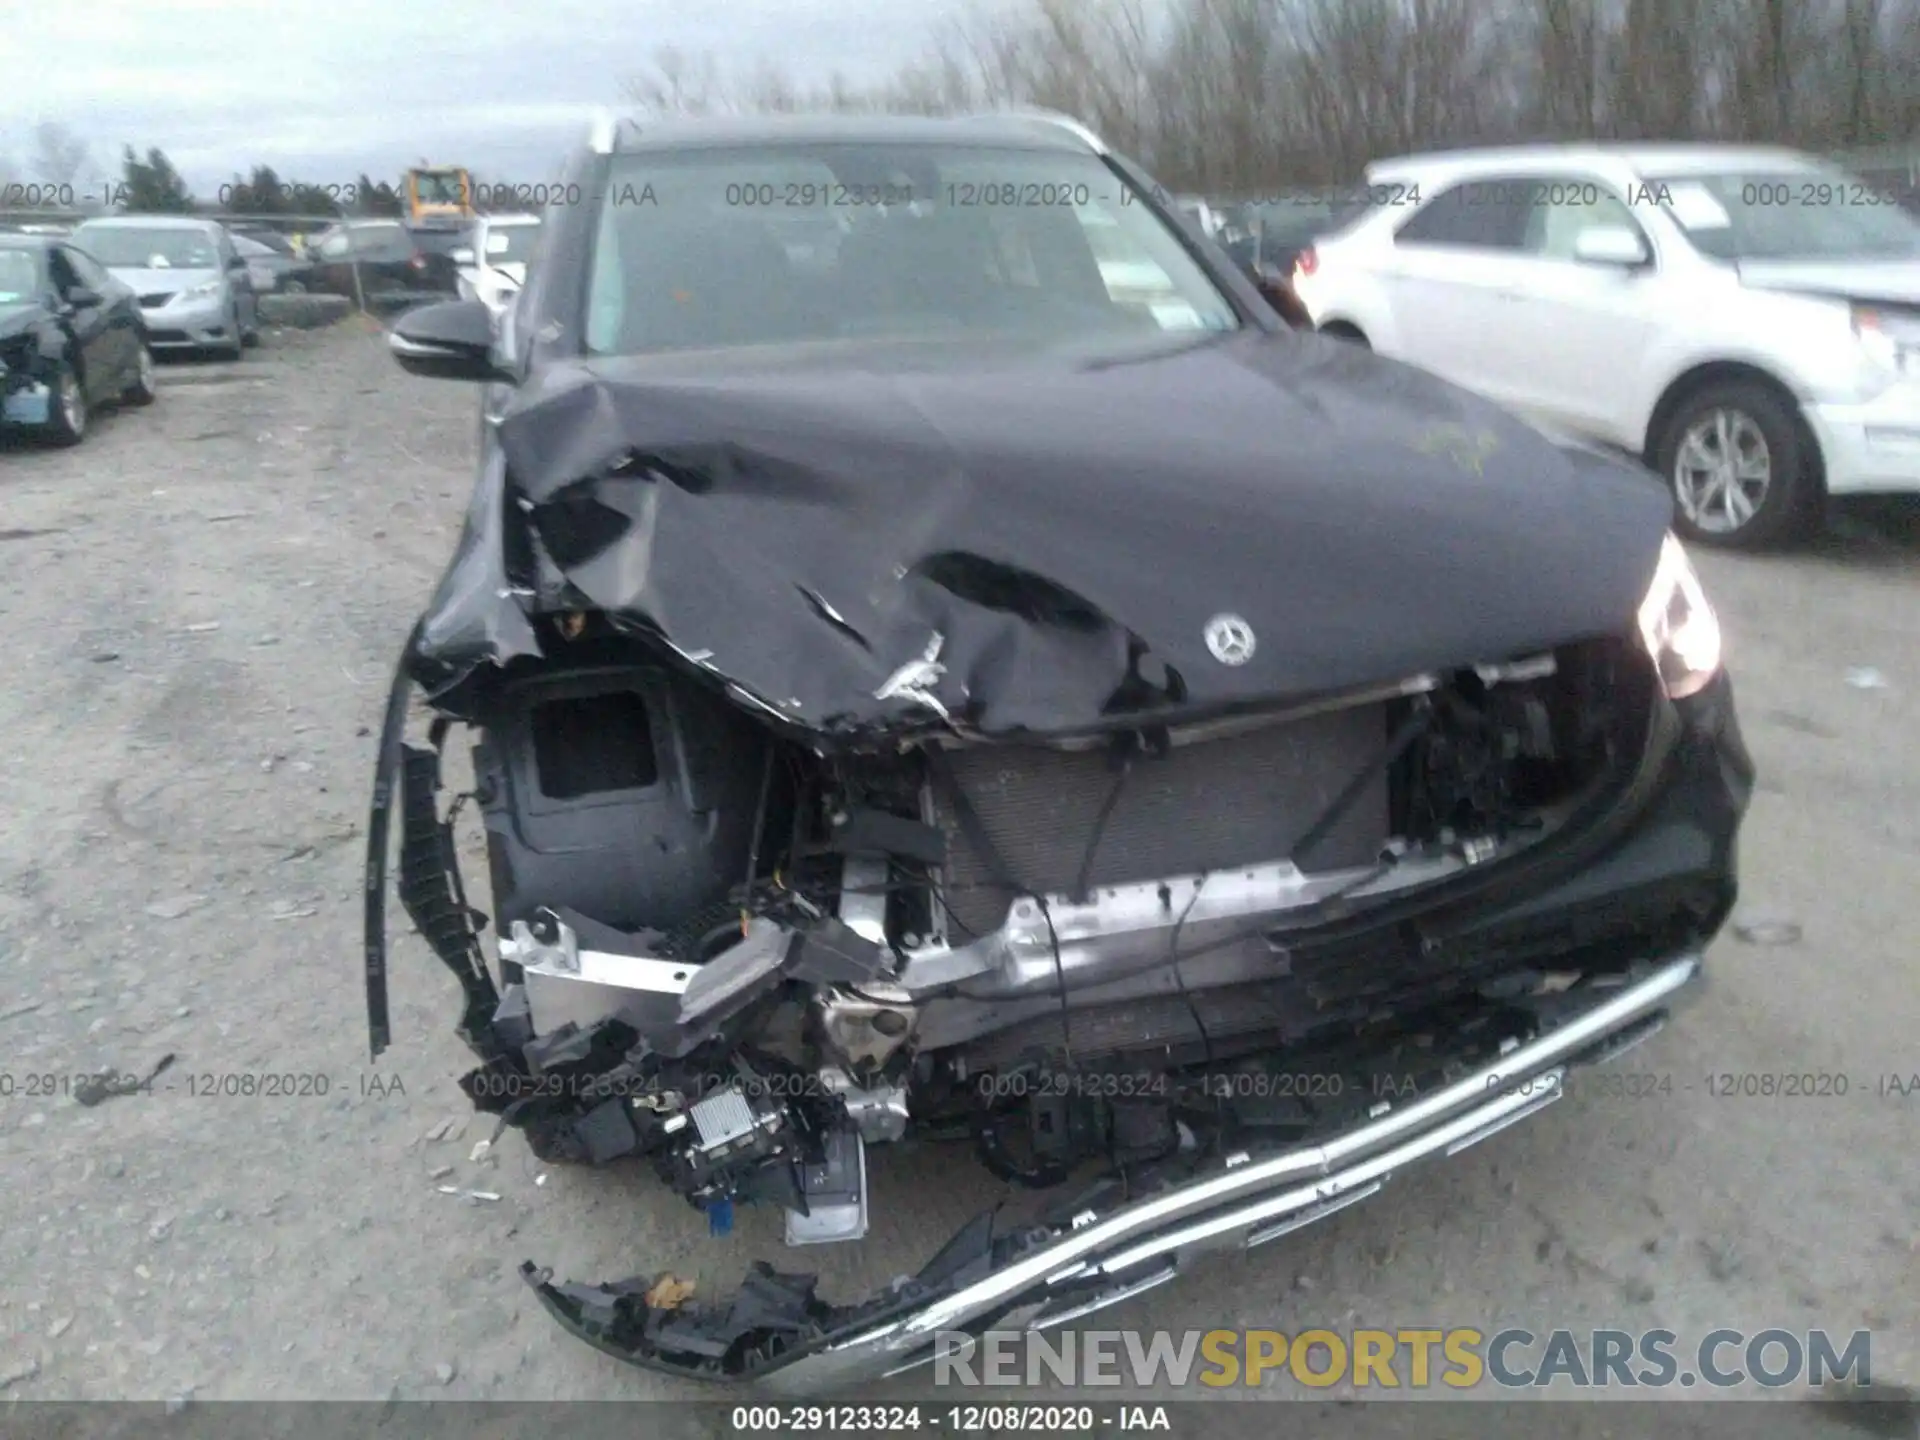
(866, 540)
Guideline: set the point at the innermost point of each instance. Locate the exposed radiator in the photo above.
(1204, 806)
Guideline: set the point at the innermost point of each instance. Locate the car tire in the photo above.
(238, 349)
(1740, 466)
(145, 387)
(67, 418)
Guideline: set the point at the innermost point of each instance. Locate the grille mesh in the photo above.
(1211, 805)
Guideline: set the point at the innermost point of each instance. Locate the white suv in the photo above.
(1747, 321)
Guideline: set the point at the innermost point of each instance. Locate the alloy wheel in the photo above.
(1722, 471)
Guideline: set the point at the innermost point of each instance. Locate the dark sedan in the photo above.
(273, 269)
(70, 338)
(386, 266)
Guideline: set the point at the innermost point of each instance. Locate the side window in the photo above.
(1478, 214)
(61, 271)
(1566, 208)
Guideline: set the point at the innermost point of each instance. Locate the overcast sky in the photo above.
(324, 89)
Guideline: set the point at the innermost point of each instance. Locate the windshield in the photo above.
(19, 276)
(509, 243)
(696, 250)
(133, 247)
(1814, 214)
(440, 187)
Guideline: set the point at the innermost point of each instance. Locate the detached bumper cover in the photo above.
(774, 1330)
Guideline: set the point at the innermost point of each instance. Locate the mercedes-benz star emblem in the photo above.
(1230, 639)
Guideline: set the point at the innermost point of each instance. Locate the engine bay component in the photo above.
(1116, 1035)
(878, 1112)
(1068, 821)
(627, 792)
(724, 983)
(565, 985)
(722, 1137)
(833, 1193)
(865, 1028)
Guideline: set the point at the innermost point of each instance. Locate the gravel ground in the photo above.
(202, 605)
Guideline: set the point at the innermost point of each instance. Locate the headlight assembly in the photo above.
(1681, 631)
(1886, 343)
(202, 291)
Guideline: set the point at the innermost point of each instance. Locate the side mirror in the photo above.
(449, 341)
(1610, 245)
(84, 297)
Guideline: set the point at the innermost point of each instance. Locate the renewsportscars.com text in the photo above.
(1458, 1358)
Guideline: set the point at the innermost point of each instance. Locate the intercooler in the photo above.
(1208, 805)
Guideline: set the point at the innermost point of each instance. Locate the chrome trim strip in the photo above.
(1104, 1299)
(1508, 1107)
(1553, 1080)
(1308, 1217)
(1332, 1170)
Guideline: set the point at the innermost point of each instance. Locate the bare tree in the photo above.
(1250, 95)
(678, 84)
(59, 156)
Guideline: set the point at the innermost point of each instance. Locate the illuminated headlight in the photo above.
(205, 290)
(1679, 626)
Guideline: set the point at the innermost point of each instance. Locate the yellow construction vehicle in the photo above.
(439, 192)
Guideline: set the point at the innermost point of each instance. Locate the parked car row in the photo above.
(84, 309)
(386, 266)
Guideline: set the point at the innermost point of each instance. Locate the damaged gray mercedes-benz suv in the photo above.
(946, 661)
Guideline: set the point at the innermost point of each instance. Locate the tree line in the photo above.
(61, 165)
(1237, 96)
(152, 185)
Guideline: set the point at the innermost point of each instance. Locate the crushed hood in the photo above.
(871, 541)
